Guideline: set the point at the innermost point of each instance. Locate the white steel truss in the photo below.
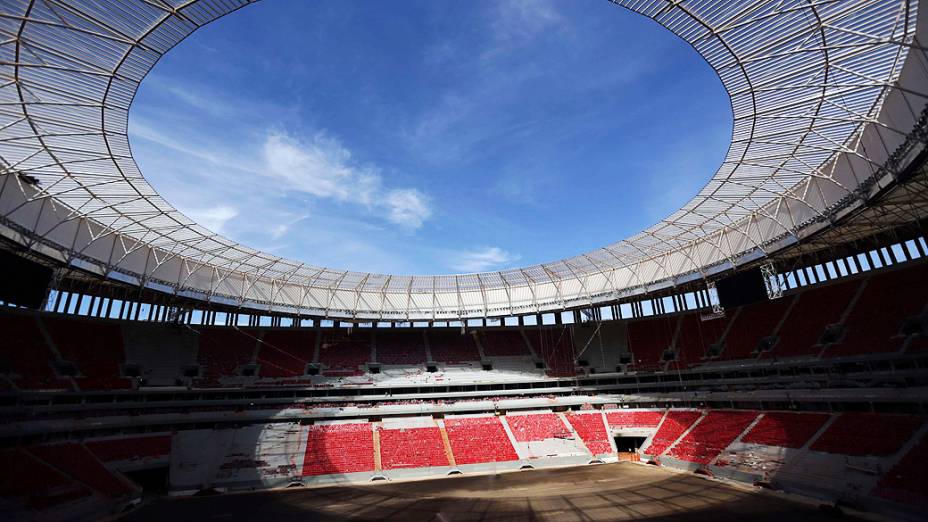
(825, 94)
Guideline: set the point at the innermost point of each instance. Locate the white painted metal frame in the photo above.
(823, 92)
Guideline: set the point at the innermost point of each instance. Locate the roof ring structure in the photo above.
(823, 93)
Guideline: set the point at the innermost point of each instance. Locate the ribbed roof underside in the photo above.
(822, 93)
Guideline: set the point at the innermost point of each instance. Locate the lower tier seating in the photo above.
(590, 428)
(634, 419)
(867, 434)
(786, 429)
(712, 435)
(675, 423)
(412, 448)
(28, 481)
(339, 448)
(78, 462)
(907, 481)
(477, 440)
(536, 427)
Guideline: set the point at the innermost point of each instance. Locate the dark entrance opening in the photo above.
(628, 444)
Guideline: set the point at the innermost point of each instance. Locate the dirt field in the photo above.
(595, 493)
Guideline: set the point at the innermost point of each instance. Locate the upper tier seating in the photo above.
(285, 353)
(696, 336)
(648, 339)
(875, 322)
(78, 462)
(537, 427)
(339, 448)
(634, 419)
(711, 435)
(675, 423)
(343, 354)
(27, 355)
(412, 448)
(907, 481)
(867, 434)
(222, 351)
(479, 439)
(95, 347)
(556, 347)
(28, 481)
(453, 347)
(816, 308)
(499, 343)
(131, 449)
(753, 323)
(590, 428)
(785, 429)
(406, 348)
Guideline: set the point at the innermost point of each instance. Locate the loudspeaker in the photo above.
(23, 282)
(741, 288)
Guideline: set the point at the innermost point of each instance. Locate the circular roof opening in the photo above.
(430, 138)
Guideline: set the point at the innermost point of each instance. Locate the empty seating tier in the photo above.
(501, 343)
(711, 435)
(634, 419)
(339, 448)
(648, 339)
(453, 347)
(135, 448)
(590, 428)
(875, 322)
(753, 323)
(412, 448)
(907, 481)
(78, 462)
(479, 439)
(556, 347)
(285, 353)
(815, 309)
(528, 428)
(785, 429)
(27, 355)
(407, 348)
(95, 347)
(28, 481)
(696, 336)
(675, 423)
(222, 351)
(867, 434)
(344, 354)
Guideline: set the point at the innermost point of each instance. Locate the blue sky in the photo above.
(430, 137)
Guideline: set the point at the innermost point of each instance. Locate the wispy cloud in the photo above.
(481, 259)
(213, 218)
(323, 167)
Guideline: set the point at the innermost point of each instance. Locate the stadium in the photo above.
(760, 352)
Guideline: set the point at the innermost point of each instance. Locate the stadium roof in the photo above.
(825, 95)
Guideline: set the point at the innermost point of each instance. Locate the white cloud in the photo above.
(481, 259)
(324, 168)
(407, 207)
(214, 218)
